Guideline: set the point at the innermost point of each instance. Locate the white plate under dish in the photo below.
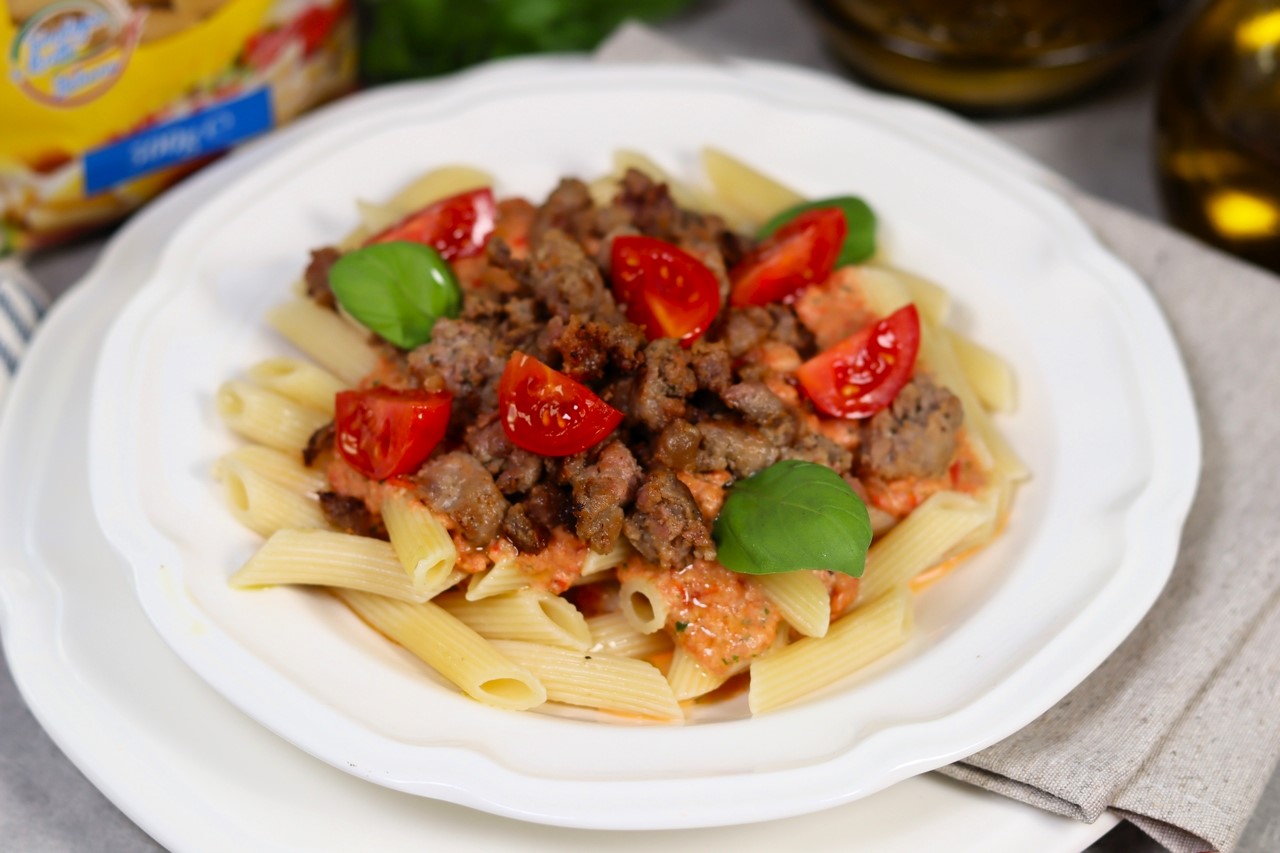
(1106, 423)
(197, 774)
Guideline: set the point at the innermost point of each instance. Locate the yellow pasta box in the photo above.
(104, 103)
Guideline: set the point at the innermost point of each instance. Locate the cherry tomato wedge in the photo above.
(546, 412)
(800, 253)
(456, 227)
(861, 375)
(667, 290)
(382, 432)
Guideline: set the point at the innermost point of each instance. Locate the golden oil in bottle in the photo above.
(1218, 130)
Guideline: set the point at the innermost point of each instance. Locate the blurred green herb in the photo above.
(418, 38)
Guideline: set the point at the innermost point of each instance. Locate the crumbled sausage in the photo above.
(916, 435)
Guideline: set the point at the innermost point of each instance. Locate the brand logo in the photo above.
(71, 52)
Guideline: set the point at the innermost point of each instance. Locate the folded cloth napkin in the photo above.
(1179, 730)
(21, 307)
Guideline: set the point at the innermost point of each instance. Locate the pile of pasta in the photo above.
(507, 644)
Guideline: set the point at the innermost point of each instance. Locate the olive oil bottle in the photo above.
(1218, 130)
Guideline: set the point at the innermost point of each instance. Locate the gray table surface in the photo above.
(1103, 144)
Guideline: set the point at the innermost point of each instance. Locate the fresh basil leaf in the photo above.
(398, 290)
(859, 244)
(793, 515)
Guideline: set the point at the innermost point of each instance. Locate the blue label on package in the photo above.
(177, 141)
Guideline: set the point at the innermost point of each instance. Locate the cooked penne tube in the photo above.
(864, 635)
(300, 381)
(283, 468)
(745, 188)
(613, 634)
(326, 558)
(920, 540)
(265, 417)
(801, 598)
(375, 218)
(531, 615)
(421, 542)
(684, 196)
(643, 605)
(988, 373)
(884, 291)
(688, 678)
(932, 301)
(505, 576)
(262, 504)
(326, 337)
(451, 649)
(436, 185)
(990, 447)
(593, 680)
(595, 564)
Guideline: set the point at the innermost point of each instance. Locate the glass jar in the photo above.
(989, 55)
(1218, 130)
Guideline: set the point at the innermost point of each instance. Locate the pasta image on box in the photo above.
(638, 447)
(107, 102)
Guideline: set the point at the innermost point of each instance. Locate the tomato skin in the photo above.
(383, 433)
(546, 412)
(457, 227)
(667, 290)
(861, 375)
(800, 253)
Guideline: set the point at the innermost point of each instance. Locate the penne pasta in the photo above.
(937, 353)
(758, 196)
(280, 467)
(612, 633)
(801, 598)
(436, 185)
(326, 558)
(988, 374)
(265, 417)
(920, 540)
(594, 565)
(373, 218)
(932, 301)
(531, 615)
(643, 605)
(592, 680)
(855, 640)
(450, 648)
(419, 540)
(688, 678)
(505, 576)
(265, 505)
(334, 343)
(300, 381)
(884, 291)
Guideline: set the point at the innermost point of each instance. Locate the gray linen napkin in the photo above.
(1179, 730)
(22, 304)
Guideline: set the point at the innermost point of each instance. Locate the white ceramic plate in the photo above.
(1106, 423)
(197, 774)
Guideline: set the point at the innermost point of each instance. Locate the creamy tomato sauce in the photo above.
(719, 617)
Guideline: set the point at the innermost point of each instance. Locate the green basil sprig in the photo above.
(398, 290)
(859, 243)
(793, 515)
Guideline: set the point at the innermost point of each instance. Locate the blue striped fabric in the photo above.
(21, 307)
